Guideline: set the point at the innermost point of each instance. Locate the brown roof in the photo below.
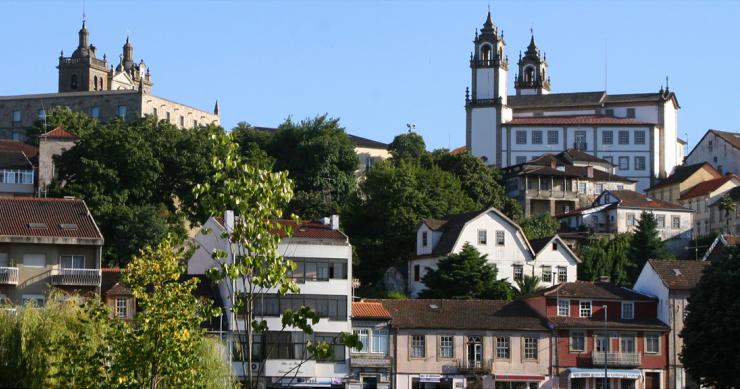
(58, 132)
(307, 229)
(585, 99)
(679, 275)
(369, 310)
(13, 145)
(47, 217)
(459, 150)
(597, 322)
(14, 160)
(434, 224)
(707, 187)
(464, 315)
(593, 290)
(571, 171)
(732, 138)
(575, 119)
(632, 199)
(118, 289)
(681, 173)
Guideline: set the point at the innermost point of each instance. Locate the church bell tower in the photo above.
(533, 78)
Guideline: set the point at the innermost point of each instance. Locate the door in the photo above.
(652, 380)
(475, 351)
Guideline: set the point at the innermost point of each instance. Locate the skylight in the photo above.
(37, 225)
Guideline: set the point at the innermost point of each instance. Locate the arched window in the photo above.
(101, 83)
(95, 83)
(73, 82)
(485, 53)
(529, 74)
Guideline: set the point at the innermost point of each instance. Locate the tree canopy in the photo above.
(541, 226)
(465, 275)
(607, 257)
(645, 244)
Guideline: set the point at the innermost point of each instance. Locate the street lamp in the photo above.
(606, 347)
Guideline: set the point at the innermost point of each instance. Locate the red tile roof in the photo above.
(47, 218)
(459, 150)
(58, 132)
(13, 145)
(679, 275)
(307, 229)
(576, 119)
(632, 199)
(369, 310)
(707, 187)
(683, 172)
(593, 290)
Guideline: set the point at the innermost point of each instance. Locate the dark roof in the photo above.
(307, 229)
(47, 217)
(593, 290)
(576, 119)
(707, 187)
(369, 310)
(681, 173)
(110, 277)
(118, 289)
(573, 171)
(732, 138)
(597, 322)
(464, 315)
(734, 194)
(585, 99)
(357, 141)
(59, 133)
(679, 275)
(14, 160)
(540, 243)
(632, 199)
(13, 145)
(580, 156)
(451, 227)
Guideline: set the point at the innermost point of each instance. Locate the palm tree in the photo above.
(727, 204)
(528, 285)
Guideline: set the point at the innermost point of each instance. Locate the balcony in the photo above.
(75, 277)
(475, 367)
(615, 359)
(369, 360)
(8, 276)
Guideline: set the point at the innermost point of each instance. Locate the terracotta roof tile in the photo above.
(47, 217)
(369, 310)
(575, 119)
(632, 199)
(594, 290)
(58, 132)
(597, 322)
(679, 275)
(459, 150)
(707, 187)
(13, 145)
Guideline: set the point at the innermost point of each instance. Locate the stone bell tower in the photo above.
(83, 71)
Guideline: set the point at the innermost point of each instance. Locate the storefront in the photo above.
(594, 378)
(517, 381)
(432, 381)
(308, 382)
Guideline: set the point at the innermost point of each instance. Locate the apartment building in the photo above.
(603, 330)
(559, 183)
(18, 162)
(671, 282)
(702, 196)
(446, 344)
(45, 243)
(493, 234)
(719, 148)
(323, 256)
(372, 366)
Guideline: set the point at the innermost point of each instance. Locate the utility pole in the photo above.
(606, 347)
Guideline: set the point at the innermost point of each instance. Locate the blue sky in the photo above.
(378, 65)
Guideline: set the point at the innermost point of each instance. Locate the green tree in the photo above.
(727, 205)
(607, 257)
(541, 226)
(646, 244)
(465, 275)
(77, 123)
(528, 285)
(408, 147)
(710, 354)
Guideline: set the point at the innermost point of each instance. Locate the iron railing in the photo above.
(79, 277)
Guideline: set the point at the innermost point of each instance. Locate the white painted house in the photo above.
(637, 131)
(720, 148)
(324, 274)
(497, 236)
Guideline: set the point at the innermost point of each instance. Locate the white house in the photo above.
(497, 236)
(324, 258)
(637, 131)
(720, 148)
(702, 196)
(671, 282)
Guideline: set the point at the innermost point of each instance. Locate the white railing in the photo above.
(81, 277)
(9, 275)
(615, 359)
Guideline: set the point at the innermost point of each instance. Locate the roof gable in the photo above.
(58, 132)
(707, 187)
(538, 245)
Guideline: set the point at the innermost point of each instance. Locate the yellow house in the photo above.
(682, 179)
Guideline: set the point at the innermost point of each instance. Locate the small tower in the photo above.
(533, 78)
(128, 55)
(485, 106)
(129, 74)
(83, 71)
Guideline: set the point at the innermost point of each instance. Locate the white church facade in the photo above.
(636, 132)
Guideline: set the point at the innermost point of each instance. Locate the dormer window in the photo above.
(424, 239)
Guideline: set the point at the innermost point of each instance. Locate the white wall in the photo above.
(483, 133)
(721, 155)
(650, 284)
(484, 83)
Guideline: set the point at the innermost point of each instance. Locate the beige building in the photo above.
(700, 197)
(683, 178)
(52, 143)
(725, 220)
(94, 86)
(446, 344)
(47, 243)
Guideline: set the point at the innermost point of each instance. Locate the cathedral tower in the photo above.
(533, 78)
(485, 102)
(83, 71)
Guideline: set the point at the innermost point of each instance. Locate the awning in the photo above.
(633, 374)
(518, 377)
(430, 377)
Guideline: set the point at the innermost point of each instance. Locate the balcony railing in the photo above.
(78, 277)
(8, 276)
(484, 366)
(615, 359)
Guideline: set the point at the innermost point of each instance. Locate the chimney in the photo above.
(229, 220)
(604, 279)
(325, 221)
(590, 171)
(334, 222)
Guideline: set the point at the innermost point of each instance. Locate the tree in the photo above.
(252, 261)
(607, 257)
(408, 147)
(77, 123)
(465, 275)
(727, 204)
(541, 226)
(712, 321)
(646, 244)
(528, 285)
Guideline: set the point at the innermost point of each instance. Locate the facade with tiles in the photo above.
(94, 86)
(372, 366)
(638, 131)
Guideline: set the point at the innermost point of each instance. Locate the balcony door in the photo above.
(475, 351)
(72, 261)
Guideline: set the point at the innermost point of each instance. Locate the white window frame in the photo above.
(581, 308)
(500, 238)
(424, 239)
(517, 272)
(563, 303)
(573, 336)
(676, 222)
(121, 310)
(648, 335)
(375, 343)
(503, 345)
(482, 236)
(631, 219)
(631, 315)
(562, 274)
(74, 259)
(362, 333)
(418, 342)
(530, 351)
(448, 345)
(546, 273)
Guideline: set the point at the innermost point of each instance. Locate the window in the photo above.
(3, 259)
(332, 307)
(562, 274)
(652, 342)
(379, 341)
(42, 114)
(601, 342)
(630, 112)
(598, 188)
(631, 219)
(624, 163)
(154, 112)
(582, 187)
(318, 270)
(530, 348)
(424, 241)
(363, 337)
(16, 117)
(500, 238)
(675, 222)
(168, 117)
(627, 343)
(35, 299)
(417, 271)
(624, 137)
(482, 237)
(95, 83)
(709, 146)
(73, 81)
(72, 261)
(607, 137)
(640, 137)
(195, 124)
(121, 308)
(418, 346)
(639, 163)
(446, 346)
(628, 310)
(503, 349)
(577, 341)
(122, 110)
(553, 137)
(660, 220)
(546, 273)
(521, 137)
(95, 112)
(518, 272)
(537, 137)
(521, 159)
(609, 112)
(34, 260)
(585, 308)
(564, 308)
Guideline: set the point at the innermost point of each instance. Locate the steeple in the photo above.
(532, 78)
(84, 37)
(215, 108)
(128, 54)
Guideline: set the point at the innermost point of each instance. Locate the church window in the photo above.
(624, 137)
(537, 137)
(552, 137)
(486, 53)
(630, 112)
(521, 137)
(95, 83)
(639, 137)
(607, 137)
(73, 81)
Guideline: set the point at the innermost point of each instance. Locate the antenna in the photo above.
(84, 18)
